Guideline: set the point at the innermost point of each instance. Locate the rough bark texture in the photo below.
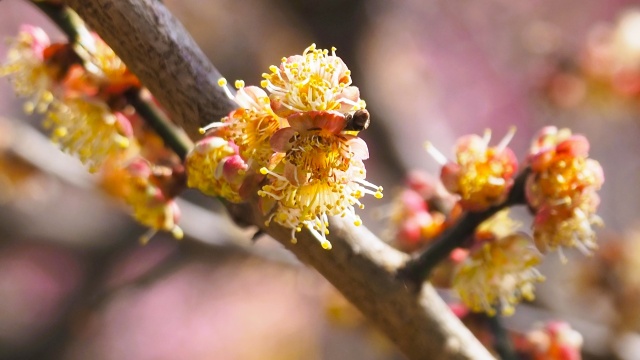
(157, 48)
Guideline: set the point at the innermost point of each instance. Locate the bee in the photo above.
(358, 121)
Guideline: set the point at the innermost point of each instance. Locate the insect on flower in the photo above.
(357, 121)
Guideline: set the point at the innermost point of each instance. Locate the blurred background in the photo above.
(75, 283)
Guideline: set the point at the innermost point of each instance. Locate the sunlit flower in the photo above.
(551, 143)
(312, 81)
(89, 130)
(562, 189)
(54, 80)
(499, 270)
(301, 137)
(251, 125)
(215, 168)
(481, 175)
(321, 174)
(315, 146)
(560, 226)
(31, 77)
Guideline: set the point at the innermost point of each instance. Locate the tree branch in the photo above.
(157, 48)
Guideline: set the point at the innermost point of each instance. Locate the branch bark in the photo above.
(157, 48)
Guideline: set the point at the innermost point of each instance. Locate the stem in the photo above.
(171, 134)
(417, 269)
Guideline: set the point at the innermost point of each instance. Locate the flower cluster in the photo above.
(28, 65)
(498, 271)
(481, 175)
(299, 136)
(109, 133)
(80, 88)
(562, 190)
(73, 92)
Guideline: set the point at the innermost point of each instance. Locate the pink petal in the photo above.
(351, 93)
(234, 169)
(278, 108)
(209, 143)
(449, 175)
(413, 202)
(39, 36)
(295, 175)
(596, 169)
(576, 145)
(249, 97)
(359, 148)
(280, 139)
(139, 168)
(124, 125)
(330, 121)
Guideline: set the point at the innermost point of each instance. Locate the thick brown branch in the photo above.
(158, 49)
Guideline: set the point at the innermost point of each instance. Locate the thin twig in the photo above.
(172, 136)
